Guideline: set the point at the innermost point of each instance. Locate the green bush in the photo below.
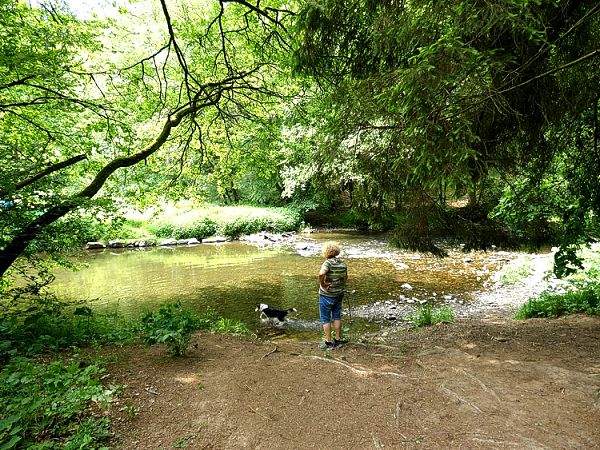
(428, 315)
(243, 225)
(284, 219)
(234, 228)
(47, 405)
(163, 230)
(198, 229)
(202, 229)
(171, 325)
(549, 304)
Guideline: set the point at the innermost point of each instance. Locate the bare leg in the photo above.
(327, 330)
(337, 325)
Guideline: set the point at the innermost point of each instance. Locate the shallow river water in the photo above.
(233, 277)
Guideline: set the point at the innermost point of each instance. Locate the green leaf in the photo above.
(10, 444)
(9, 421)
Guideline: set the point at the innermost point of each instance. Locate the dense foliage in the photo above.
(472, 119)
(91, 102)
(46, 406)
(429, 102)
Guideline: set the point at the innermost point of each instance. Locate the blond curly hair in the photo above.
(330, 250)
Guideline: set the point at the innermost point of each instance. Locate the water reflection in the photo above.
(233, 277)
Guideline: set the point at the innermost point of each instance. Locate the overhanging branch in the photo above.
(551, 72)
(47, 171)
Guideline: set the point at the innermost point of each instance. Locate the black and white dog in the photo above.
(270, 312)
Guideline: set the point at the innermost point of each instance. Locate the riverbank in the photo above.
(501, 299)
(157, 387)
(484, 381)
(476, 383)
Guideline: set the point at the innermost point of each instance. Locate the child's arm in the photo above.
(322, 274)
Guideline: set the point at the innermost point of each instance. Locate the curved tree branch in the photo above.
(592, 54)
(180, 56)
(263, 12)
(47, 171)
(21, 240)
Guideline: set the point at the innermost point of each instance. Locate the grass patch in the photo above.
(584, 300)
(185, 221)
(582, 297)
(228, 326)
(516, 272)
(429, 315)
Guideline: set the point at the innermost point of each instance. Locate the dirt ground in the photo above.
(491, 383)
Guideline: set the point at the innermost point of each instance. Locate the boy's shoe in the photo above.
(326, 345)
(339, 342)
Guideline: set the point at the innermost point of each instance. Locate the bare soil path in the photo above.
(488, 382)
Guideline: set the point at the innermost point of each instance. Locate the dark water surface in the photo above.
(233, 277)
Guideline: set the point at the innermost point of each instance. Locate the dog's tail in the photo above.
(292, 310)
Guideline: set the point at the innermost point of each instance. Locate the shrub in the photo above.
(236, 227)
(232, 221)
(550, 304)
(282, 219)
(171, 325)
(162, 230)
(202, 229)
(198, 229)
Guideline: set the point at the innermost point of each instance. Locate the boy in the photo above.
(332, 282)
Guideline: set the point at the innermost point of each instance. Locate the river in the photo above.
(231, 278)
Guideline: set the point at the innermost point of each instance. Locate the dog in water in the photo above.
(271, 312)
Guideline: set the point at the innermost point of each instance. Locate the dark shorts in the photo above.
(330, 308)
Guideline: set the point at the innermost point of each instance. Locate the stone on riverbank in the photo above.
(95, 246)
(216, 240)
(191, 241)
(117, 243)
